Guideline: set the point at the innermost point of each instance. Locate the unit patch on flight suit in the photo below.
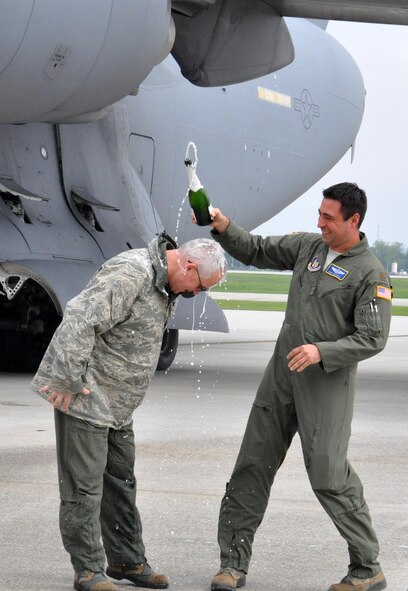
(336, 272)
(314, 265)
(383, 292)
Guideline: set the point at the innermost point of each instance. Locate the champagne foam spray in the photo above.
(187, 156)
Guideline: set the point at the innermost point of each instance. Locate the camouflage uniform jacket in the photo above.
(110, 338)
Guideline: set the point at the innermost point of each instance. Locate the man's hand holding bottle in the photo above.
(220, 222)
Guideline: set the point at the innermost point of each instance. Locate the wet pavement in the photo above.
(188, 433)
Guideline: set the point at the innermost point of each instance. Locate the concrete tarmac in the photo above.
(188, 432)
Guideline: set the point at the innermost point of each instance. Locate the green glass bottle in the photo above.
(197, 196)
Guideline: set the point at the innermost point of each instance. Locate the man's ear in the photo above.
(355, 219)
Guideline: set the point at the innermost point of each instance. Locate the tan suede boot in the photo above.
(228, 579)
(140, 575)
(350, 583)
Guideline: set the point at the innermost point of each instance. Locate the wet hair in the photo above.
(207, 255)
(352, 198)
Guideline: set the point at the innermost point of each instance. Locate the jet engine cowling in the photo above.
(89, 55)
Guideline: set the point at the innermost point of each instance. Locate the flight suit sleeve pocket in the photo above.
(370, 318)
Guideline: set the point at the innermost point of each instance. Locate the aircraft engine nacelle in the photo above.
(222, 42)
(62, 59)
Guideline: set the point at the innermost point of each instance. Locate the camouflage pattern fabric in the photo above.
(110, 338)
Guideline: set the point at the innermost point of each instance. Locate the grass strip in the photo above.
(251, 305)
(252, 282)
(400, 310)
(279, 306)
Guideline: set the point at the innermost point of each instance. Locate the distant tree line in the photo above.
(391, 252)
(235, 265)
(387, 252)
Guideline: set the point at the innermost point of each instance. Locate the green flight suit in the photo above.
(345, 310)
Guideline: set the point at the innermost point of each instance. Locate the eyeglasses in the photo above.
(202, 288)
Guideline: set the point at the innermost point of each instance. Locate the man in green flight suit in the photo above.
(338, 313)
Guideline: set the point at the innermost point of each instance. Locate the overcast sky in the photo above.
(380, 163)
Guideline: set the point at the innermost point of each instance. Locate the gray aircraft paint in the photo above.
(82, 179)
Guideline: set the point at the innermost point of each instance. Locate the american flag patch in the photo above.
(383, 292)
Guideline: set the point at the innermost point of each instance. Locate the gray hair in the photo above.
(208, 256)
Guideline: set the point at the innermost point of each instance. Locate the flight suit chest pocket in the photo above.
(337, 300)
(336, 289)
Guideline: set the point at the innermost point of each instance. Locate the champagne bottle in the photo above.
(197, 196)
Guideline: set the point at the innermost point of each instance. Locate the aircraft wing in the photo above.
(391, 12)
(222, 42)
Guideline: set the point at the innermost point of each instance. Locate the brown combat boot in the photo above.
(350, 583)
(90, 581)
(140, 575)
(228, 579)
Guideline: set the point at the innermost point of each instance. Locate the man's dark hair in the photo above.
(352, 198)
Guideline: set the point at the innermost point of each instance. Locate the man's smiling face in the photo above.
(339, 234)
